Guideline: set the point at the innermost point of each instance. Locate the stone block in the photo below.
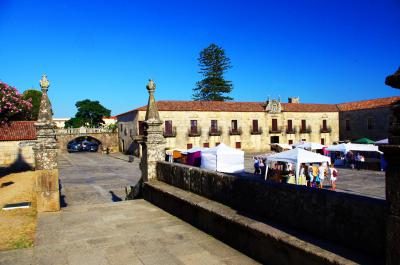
(47, 191)
(195, 180)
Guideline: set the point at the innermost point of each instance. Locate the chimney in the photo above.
(295, 100)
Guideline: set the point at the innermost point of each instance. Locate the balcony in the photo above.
(305, 130)
(326, 129)
(291, 130)
(256, 131)
(276, 130)
(215, 131)
(170, 133)
(235, 131)
(194, 132)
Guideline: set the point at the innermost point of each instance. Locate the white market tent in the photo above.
(310, 146)
(297, 156)
(193, 150)
(344, 148)
(383, 141)
(222, 158)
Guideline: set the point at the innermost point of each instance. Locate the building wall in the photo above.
(358, 120)
(248, 141)
(18, 154)
(127, 129)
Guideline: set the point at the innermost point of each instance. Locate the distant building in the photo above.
(366, 118)
(60, 122)
(251, 126)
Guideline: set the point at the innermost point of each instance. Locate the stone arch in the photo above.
(89, 138)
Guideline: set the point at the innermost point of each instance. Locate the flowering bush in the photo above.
(12, 106)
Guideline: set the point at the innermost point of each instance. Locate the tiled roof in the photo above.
(220, 106)
(17, 131)
(367, 104)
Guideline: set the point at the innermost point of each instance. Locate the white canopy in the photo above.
(222, 158)
(383, 141)
(344, 148)
(297, 156)
(193, 150)
(310, 146)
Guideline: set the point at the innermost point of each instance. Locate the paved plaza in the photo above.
(92, 229)
(363, 182)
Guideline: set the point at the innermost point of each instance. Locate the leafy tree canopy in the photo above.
(34, 96)
(90, 114)
(213, 64)
(12, 106)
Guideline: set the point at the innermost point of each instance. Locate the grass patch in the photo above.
(17, 227)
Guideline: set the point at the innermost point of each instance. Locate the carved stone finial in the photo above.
(44, 83)
(394, 79)
(151, 86)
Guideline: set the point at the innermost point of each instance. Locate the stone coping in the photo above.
(251, 235)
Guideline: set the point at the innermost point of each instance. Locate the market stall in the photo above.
(193, 156)
(223, 158)
(297, 157)
(310, 146)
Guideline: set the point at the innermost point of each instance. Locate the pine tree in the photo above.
(213, 64)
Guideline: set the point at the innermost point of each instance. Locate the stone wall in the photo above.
(107, 139)
(128, 127)
(17, 154)
(358, 121)
(354, 221)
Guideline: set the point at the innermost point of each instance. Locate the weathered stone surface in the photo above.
(258, 239)
(354, 221)
(47, 191)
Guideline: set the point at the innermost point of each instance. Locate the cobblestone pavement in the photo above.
(94, 230)
(363, 182)
(90, 178)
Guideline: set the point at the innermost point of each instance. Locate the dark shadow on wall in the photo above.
(63, 203)
(19, 165)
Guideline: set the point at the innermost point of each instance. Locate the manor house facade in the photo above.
(250, 126)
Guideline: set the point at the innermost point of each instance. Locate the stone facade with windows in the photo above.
(251, 126)
(368, 118)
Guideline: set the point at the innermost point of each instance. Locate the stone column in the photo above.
(46, 148)
(392, 155)
(153, 142)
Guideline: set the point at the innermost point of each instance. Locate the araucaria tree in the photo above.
(90, 114)
(213, 64)
(12, 106)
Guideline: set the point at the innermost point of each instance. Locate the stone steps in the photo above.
(265, 242)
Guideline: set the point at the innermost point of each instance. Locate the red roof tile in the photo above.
(17, 131)
(367, 104)
(220, 106)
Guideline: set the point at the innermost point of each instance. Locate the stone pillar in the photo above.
(46, 149)
(153, 142)
(392, 155)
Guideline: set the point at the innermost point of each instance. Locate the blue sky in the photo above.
(322, 51)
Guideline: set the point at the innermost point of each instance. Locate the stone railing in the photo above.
(84, 130)
(353, 221)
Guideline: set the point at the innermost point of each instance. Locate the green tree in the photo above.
(90, 113)
(35, 96)
(213, 64)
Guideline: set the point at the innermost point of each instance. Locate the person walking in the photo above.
(333, 174)
(321, 175)
(256, 166)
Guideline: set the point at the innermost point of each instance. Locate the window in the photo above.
(206, 145)
(274, 125)
(290, 142)
(255, 126)
(189, 146)
(274, 139)
(214, 126)
(141, 127)
(234, 125)
(347, 125)
(303, 125)
(193, 126)
(290, 125)
(168, 127)
(323, 141)
(238, 145)
(370, 123)
(324, 125)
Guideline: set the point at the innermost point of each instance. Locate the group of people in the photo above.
(259, 165)
(355, 161)
(316, 174)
